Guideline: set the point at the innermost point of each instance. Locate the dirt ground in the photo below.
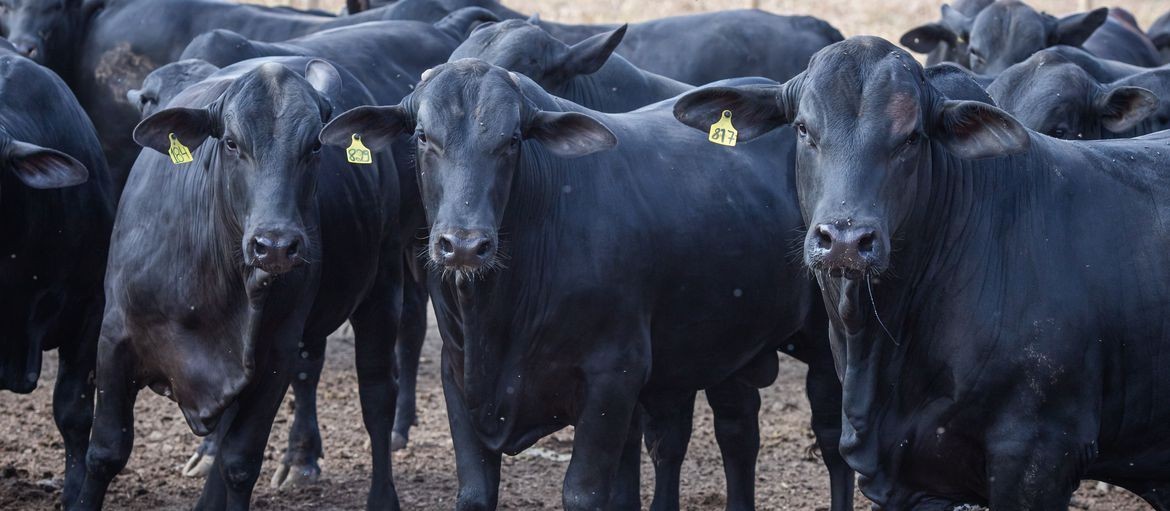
(789, 477)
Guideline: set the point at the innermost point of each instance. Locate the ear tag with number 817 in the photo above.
(358, 152)
(722, 132)
(178, 152)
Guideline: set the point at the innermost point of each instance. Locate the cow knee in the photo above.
(102, 464)
(473, 500)
(584, 499)
(239, 474)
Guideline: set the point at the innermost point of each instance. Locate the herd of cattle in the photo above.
(196, 193)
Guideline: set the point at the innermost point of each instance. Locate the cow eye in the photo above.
(515, 139)
(1059, 133)
(421, 136)
(316, 148)
(803, 131)
(912, 139)
(230, 144)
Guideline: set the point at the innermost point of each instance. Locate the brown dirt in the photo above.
(31, 456)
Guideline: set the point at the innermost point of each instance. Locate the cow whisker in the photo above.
(873, 303)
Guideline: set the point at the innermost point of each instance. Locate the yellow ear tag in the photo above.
(179, 152)
(722, 132)
(358, 152)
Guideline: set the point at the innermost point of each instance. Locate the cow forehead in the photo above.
(486, 96)
(874, 86)
(269, 96)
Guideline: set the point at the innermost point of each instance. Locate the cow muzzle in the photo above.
(276, 251)
(29, 47)
(846, 248)
(463, 250)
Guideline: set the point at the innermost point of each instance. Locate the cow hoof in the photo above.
(296, 475)
(199, 465)
(397, 442)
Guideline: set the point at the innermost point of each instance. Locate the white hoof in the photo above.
(287, 477)
(199, 465)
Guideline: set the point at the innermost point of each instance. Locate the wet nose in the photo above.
(469, 250)
(27, 48)
(846, 249)
(277, 252)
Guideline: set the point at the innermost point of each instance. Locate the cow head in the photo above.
(43, 30)
(39, 167)
(869, 124)
(946, 39)
(470, 121)
(525, 48)
(1008, 31)
(264, 128)
(1054, 96)
(164, 83)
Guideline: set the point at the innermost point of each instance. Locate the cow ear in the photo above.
(973, 130)
(1161, 41)
(1121, 108)
(570, 134)
(376, 126)
(925, 38)
(42, 168)
(587, 56)
(755, 109)
(959, 24)
(534, 19)
(1074, 30)
(356, 6)
(191, 127)
(323, 77)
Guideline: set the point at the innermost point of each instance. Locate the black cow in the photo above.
(993, 350)
(1052, 94)
(225, 271)
(599, 296)
(1159, 34)
(56, 212)
(764, 44)
(358, 49)
(589, 74)
(104, 48)
(1008, 31)
(940, 40)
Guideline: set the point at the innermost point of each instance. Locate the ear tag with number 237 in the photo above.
(178, 152)
(358, 152)
(722, 132)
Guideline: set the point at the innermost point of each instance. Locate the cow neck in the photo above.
(619, 86)
(946, 240)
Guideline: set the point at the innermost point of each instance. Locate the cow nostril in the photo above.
(865, 242)
(260, 248)
(824, 238)
(482, 248)
(292, 248)
(445, 246)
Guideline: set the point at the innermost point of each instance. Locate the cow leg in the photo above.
(375, 327)
(824, 397)
(412, 333)
(627, 490)
(299, 465)
(73, 406)
(243, 436)
(736, 407)
(112, 437)
(1035, 468)
(477, 467)
(667, 428)
(608, 409)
